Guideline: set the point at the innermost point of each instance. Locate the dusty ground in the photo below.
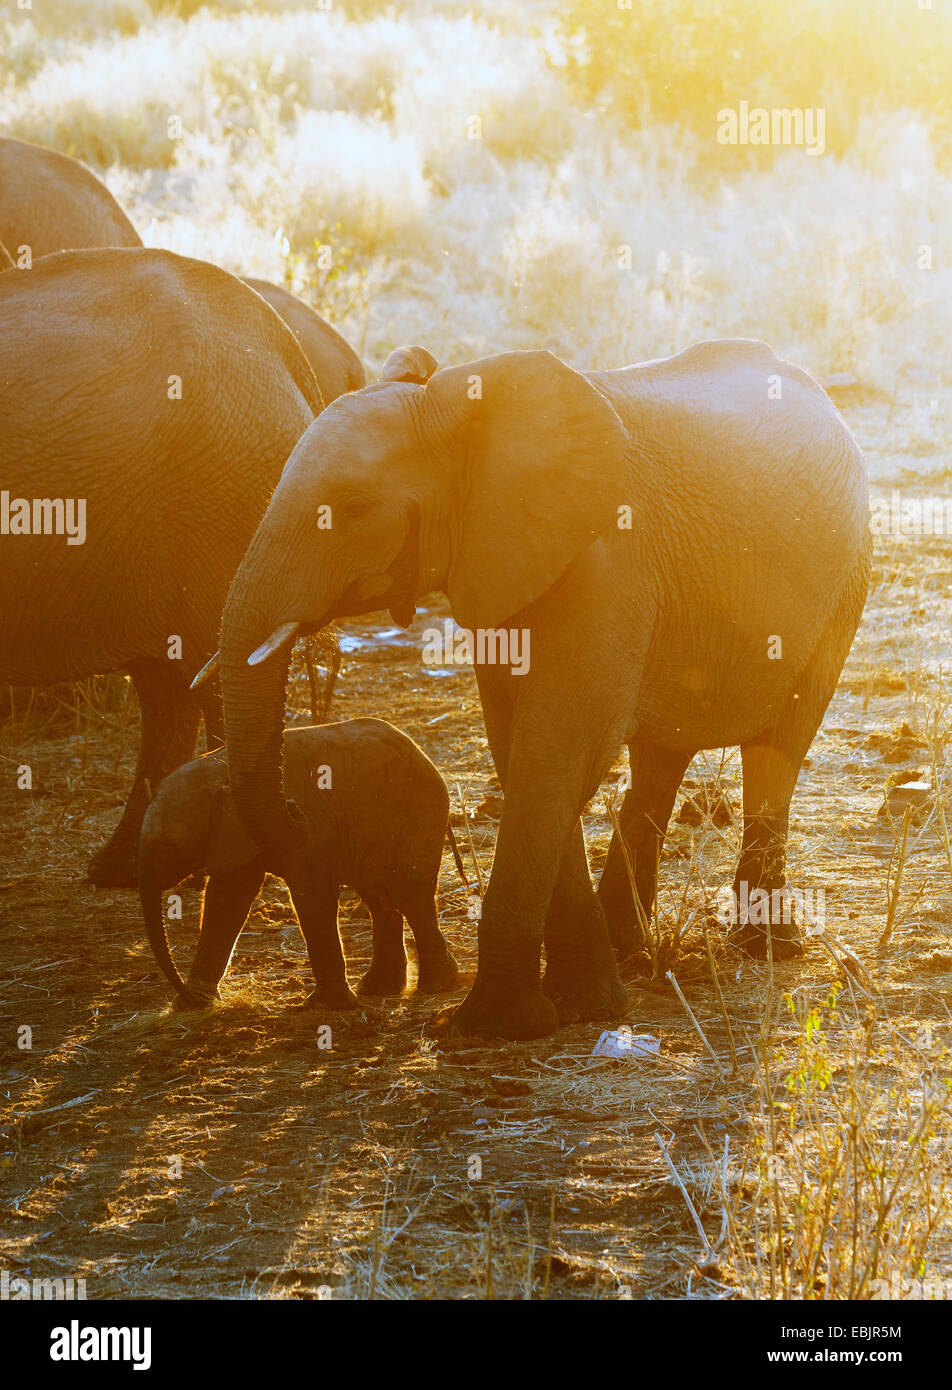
(163, 1155)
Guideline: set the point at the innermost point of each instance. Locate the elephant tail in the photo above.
(456, 854)
(151, 884)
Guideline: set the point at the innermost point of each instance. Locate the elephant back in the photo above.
(51, 202)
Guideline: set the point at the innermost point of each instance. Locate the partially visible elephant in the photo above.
(376, 812)
(148, 403)
(683, 544)
(335, 364)
(49, 202)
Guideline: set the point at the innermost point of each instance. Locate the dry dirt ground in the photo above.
(229, 1154)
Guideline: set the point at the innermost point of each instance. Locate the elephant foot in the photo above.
(624, 942)
(336, 1000)
(751, 937)
(586, 991)
(382, 980)
(437, 976)
(626, 939)
(503, 1011)
(114, 866)
(201, 995)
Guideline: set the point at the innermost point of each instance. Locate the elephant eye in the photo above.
(353, 507)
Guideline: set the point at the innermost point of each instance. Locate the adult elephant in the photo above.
(154, 399)
(334, 362)
(686, 544)
(49, 203)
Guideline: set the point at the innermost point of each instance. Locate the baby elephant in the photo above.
(376, 812)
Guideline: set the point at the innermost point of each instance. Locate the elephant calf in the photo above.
(375, 812)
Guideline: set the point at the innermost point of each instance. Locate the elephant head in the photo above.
(485, 483)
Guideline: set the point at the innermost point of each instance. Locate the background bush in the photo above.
(352, 129)
(681, 61)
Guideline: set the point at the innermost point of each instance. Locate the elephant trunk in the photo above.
(154, 876)
(254, 702)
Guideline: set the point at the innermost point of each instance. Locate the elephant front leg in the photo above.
(507, 999)
(551, 748)
(225, 907)
(581, 976)
(170, 718)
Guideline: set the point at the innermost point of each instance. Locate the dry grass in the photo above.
(791, 1138)
(388, 1168)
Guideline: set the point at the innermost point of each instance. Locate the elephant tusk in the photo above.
(278, 638)
(206, 673)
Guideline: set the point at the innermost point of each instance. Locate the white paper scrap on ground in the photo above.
(622, 1042)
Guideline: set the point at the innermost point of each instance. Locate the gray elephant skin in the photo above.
(51, 203)
(376, 814)
(335, 364)
(173, 479)
(687, 544)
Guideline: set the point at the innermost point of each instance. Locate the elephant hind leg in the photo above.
(656, 775)
(437, 969)
(770, 775)
(315, 896)
(772, 765)
(388, 968)
(170, 718)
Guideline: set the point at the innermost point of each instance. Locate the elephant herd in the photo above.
(682, 545)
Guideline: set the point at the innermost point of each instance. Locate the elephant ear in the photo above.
(413, 364)
(543, 461)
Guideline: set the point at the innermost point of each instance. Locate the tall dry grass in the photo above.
(476, 171)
